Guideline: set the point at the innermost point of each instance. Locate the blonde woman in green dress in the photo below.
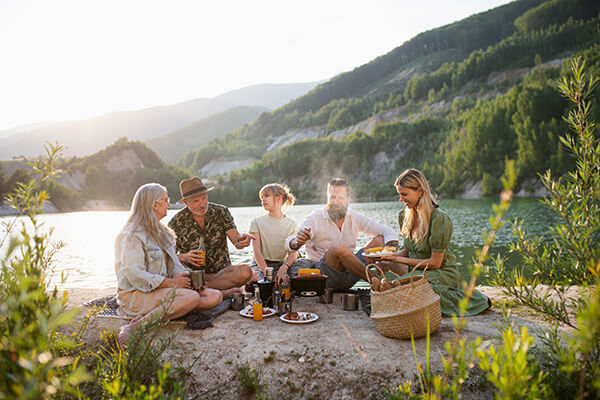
(426, 231)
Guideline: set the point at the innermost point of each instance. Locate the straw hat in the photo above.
(192, 187)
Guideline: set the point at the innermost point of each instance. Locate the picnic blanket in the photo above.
(193, 320)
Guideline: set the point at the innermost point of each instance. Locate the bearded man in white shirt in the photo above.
(330, 235)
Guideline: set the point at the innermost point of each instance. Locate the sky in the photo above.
(73, 59)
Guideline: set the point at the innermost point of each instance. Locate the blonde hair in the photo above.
(279, 189)
(422, 212)
(142, 217)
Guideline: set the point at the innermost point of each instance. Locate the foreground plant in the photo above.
(569, 256)
(568, 366)
(34, 357)
(38, 359)
(564, 257)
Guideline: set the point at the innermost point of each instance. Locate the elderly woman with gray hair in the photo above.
(149, 274)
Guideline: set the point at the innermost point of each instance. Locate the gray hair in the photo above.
(142, 217)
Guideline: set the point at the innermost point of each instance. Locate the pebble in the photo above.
(301, 360)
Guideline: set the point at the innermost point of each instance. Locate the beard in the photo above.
(336, 212)
(197, 213)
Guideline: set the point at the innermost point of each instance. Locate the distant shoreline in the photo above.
(6, 211)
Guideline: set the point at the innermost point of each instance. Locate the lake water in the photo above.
(88, 256)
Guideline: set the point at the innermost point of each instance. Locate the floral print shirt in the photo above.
(217, 221)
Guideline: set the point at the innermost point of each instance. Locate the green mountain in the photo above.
(85, 137)
(456, 101)
(173, 146)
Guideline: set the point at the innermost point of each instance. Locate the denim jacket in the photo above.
(140, 264)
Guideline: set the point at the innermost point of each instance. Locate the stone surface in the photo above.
(341, 355)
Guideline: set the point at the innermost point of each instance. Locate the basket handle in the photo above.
(368, 268)
(415, 268)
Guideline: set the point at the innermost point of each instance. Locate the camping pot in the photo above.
(237, 301)
(266, 291)
(350, 301)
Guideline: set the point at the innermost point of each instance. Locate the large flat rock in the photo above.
(341, 355)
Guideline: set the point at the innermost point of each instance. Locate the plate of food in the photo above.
(378, 252)
(299, 317)
(248, 311)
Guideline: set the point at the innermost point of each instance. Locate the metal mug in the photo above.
(237, 301)
(350, 301)
(327, 296)
(197, 279)
(269, 274)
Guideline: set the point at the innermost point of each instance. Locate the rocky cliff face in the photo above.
(223, 166)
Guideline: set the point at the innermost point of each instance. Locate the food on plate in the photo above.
(308, 271)
(380, 251)
(297, 316)
(373, 250)
(250, 311)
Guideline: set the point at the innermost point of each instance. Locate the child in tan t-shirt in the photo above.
(271, 230)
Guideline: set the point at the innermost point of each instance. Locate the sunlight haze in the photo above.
(67, 60)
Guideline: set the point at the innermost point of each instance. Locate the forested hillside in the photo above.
(176, 144)
(456, 102)
(484, 87)
(110, 176)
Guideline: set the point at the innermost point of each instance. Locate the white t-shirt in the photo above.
(273, 232)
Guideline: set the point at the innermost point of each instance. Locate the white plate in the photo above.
(312, 318)
(248, 312)
(379, 254)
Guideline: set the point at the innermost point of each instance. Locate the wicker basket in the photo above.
(407, 308)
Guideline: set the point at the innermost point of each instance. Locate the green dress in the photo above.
(446, 281)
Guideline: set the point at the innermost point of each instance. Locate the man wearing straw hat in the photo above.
(214, 223)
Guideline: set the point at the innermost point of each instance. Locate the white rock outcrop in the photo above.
(223, 166)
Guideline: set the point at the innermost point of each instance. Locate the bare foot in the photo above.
(124, 334)
(126, 330)
(227, 292)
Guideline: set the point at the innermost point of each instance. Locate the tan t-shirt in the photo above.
(273, 232)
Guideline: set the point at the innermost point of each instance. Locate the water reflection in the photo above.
(88, 254)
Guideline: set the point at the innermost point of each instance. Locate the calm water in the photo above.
(87, 258)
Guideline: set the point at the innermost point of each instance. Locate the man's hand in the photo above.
(282, 275)
(195, 258)
(301, 237)
(243, 240)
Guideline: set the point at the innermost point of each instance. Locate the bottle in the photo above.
(285, 289)
(257, 308)
(202, 250)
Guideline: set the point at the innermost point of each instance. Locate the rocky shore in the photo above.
(339, 356)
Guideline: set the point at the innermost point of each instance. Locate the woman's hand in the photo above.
(182, 281)
(393, 258)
